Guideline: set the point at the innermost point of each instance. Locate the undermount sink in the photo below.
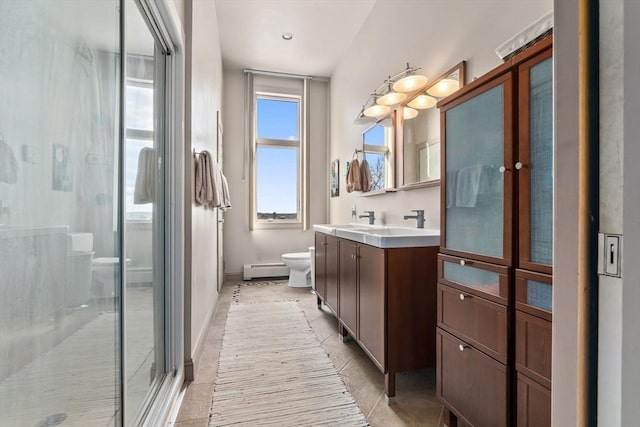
(383, 236)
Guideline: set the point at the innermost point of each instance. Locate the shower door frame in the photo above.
(164, 22)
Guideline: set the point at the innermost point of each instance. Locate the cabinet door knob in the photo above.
(519, 165)
(463, 346)
(464, 296)
(463, 262)
(502, 169)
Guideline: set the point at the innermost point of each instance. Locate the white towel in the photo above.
(468, 186)
(451, 184)
(145, 188)
(8, 163)
(226, 199)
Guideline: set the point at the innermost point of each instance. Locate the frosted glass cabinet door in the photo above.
(536, 164)
(477, 136)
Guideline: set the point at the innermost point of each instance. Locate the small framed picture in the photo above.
(334, 178)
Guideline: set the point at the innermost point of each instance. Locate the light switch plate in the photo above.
(610, 254)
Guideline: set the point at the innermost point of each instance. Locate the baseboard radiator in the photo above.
(256, 271)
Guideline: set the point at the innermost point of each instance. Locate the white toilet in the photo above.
(106, 273)
(299, 264)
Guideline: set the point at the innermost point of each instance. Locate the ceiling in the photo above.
(251, 33)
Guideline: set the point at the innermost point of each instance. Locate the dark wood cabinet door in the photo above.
(533, 347)
(533, 403)
(372, 303)
(470, 383)
(476, 129)
(321, 266)
(348, 284)
(534, 165)
(331, 273)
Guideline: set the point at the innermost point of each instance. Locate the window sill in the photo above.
(277, 225)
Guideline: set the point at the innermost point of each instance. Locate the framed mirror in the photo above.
(377, 147)
(418, 132)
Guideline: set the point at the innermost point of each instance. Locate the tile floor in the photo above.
(415, 404)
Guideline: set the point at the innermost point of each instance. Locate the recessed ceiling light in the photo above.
(287, 36)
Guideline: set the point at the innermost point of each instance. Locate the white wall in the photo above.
(421, 33)
(630, 369)
(203, 99)
(611, 204)
(241, 245)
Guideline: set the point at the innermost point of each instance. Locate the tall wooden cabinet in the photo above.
(494, 267)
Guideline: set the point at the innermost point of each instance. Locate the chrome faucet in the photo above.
(419, 216)
(370, 215)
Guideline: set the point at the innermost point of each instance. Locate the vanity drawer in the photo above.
(470, 383)
(533, 403)
(479, 278)
(481, 322)
(533, 347)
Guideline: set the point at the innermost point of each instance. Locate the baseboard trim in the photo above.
(190, 367)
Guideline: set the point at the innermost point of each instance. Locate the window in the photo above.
(376, 149)
(277, 160)
(139, 122)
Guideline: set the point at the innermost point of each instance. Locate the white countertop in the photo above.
(382, 236)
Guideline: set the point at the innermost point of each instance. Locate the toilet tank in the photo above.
(79, 242)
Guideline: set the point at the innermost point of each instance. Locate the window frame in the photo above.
(140, 135)
(386, 150)
(297, 144)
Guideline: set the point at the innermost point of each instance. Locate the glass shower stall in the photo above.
(89, 308)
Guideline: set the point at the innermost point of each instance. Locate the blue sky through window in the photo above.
(277, 119)
(375, 136)
(277, 167)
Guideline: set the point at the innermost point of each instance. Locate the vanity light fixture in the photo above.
(411, 81)
(422, 102)
(409, 113)
(392, 91)
(444, 88)
(376, 110)
(391, 97)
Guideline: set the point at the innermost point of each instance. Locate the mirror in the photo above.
(420, 129)
(377, 148)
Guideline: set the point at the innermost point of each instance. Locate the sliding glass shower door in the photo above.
(84, 293)
(144, 297)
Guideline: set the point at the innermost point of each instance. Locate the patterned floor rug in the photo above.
(273, 372)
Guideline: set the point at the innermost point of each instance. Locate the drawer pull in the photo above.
(464, 296)
(463, 262)
(325, 243)
(463, 346)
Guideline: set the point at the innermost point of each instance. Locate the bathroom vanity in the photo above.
(380, 282)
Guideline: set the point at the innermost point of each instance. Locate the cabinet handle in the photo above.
(325, 243)
(464, 296)
(502, 169)
(463, 262)
(463, 346)
(519, 165)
